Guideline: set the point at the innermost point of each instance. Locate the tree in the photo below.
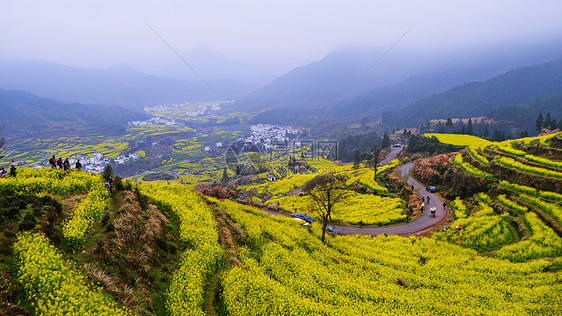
(548, 121)
(449, 122)
(486, 132)
(469, 128)
(224, 175)
(325, 191)
(376, 153)
(385, 141)
(539, 123)
(107, 172)
(1, 142)
(356, 159)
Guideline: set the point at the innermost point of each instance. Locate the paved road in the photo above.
(394, 151)
(419, 224)
(414, 226)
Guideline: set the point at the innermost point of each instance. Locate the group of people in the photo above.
(65, 165)
(4, 172)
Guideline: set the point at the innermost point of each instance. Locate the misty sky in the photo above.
(283, 33)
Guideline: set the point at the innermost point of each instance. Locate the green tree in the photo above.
(356, 159)
(224, 175)
(548, 121)
(325, 194)
(539, 123)
(107, 172)
(385, 141)
(469, 128)
(449, 122)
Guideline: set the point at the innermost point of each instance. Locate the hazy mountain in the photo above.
(324, 81)
(516, 87)
(27, 115)
(214, 65)
(400, 79)
(524, 117)
(116, 85)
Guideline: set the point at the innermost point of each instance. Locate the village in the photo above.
(94, 163)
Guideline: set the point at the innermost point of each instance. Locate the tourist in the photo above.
(59, 163)
(78, 165)
(3, 172)
(53, 162)
(13, 169)
(66, 164)
(361, 223)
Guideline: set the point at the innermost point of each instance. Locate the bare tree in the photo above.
(376, 154)
(325, 191)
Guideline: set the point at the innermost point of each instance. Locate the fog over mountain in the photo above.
(345, 59)
(117, 85)
(334, 86)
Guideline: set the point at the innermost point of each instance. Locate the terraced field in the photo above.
(232, 259)
(525, 196)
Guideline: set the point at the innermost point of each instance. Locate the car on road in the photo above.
(431, 189)
(332, 229)
(304, 217)
(396, 145)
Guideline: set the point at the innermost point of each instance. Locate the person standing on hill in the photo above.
(53, 162)
(3, 172)
(13, 170)
(66, 164)
(78, 165)
(59, 163)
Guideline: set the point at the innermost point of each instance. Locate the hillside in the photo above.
(516, 87)
(117, 85)
(524, 117)
(26, 115)
(162, 249)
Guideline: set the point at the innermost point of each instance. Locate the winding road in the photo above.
(415, 226)
(419, 225)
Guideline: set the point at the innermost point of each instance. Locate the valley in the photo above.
(281, 158)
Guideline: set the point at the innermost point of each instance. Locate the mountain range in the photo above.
(117, 85)
(327, 88)
(27, 115)
(345, 87)
(516, 87)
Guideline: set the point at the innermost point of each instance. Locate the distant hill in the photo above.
(214, 65)
(517, 87)
(117, 85)
(27, 115)
(524, 117)
(402, 78)
(324, 81)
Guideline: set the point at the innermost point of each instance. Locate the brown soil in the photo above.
(230, 235)
(132, 254)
